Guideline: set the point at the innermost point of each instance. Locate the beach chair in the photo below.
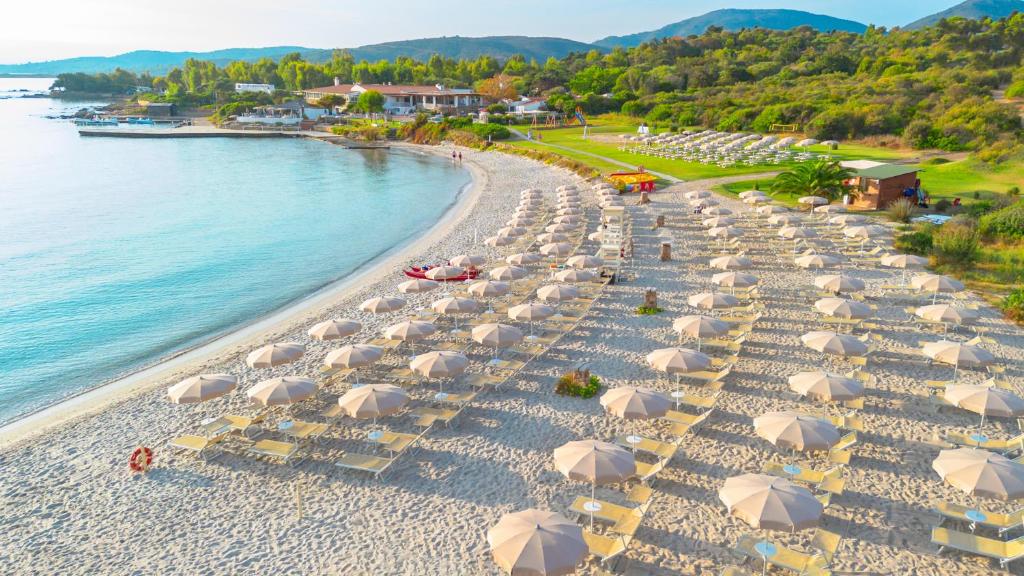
(645, 471)
(197, 444)
(734, 571)
(805, 476)
(332, 412)
(1001, 522)
(397, 442)
(640, 494)
(284, 452)
(700, 402)
(832, 482)
(648, 446)
(245, 425)
(708, 377)
(375, 465)
(606, 547)
(826, 543)
(1001, 446)
(723, 362)
(798, 562)
(1003, 551)
(427, 415)
(683, 423)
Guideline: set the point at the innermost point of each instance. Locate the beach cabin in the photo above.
(161, 110)
(879, 184)
(245, 87)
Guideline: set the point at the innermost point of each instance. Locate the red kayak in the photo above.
(417, 273)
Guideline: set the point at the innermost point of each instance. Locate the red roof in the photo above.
(389, 89)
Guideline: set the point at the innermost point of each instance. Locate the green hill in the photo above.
(973, 10)
(734, 19)
(501, 47)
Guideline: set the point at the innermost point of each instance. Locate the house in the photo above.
(879, 184)
(526, 105)
(401, 99)
(161, 110)
(265, 88)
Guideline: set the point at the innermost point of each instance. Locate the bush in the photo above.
(943, 205)
(1014, 191)
(497, 108)
(648, 310)
(1004, 224)
(919, 241)
(957, 243)
(901, 210)
(1013, 305)
(493, 131)
(569, 385)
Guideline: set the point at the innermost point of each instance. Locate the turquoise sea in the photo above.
(115, 253)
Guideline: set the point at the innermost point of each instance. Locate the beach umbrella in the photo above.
(750, 194)
(282, 391)
(595, 462)
(731, 262)
(508, 273)
(981, 473)
(785, 220)
(772, 209)
(523, 221)
(843, 308)
(523, 258)
(806, 142)
(845, 219)
(716, 211)
(439, 364)
(718, 222)
(865, 232)
(700, 327)
(373, 401)
(410, 331)
(816, 261)
(985, 400)
(567, 188)
(678, 360)
(496, 336)
(567, 219)
(830, 209)
(334, 329)
(574, 275)
(557, 293)
(584, 261)
(531, 193)
(794, 232)
(498, 241)
(512, 231)
(725, 232)
(201, 388)
(455, 305)
(552, 237)
(771, 503)
(417, 286)
(537, 543)
(826, 386)
(935, 283)
(530, 202)
(703, 202)
(734, 280)
(752, 200)
(836, 344)
(556, 249)
(276, 354)
(631, 403)
(837, 283)
(596, 236)
(957, 354)
(946, 314)
(713, 301)
(796, 431)
(530, 312)
(467, 260)
(569, 211)
(561, 228)
(813, 200)
(488, 288)
(353, 356)
(697, 194)
(904, 262)
(443, 273)
(382, 304)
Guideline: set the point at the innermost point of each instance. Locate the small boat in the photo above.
(144, 121)
(422, 274)
(96, 121)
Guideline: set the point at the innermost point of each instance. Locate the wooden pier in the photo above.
(213, 132)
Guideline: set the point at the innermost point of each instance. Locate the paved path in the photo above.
(519, 135)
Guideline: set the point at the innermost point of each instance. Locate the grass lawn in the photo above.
(963, 177)
(854, 151)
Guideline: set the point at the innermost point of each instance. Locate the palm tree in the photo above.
(821, 177)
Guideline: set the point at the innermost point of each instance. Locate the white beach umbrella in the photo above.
(957, 354)
(935, 283)
(523, 258)
(838, 283)
(410, 331)
(552, 237)
(567, 219)
(816, 261)
(734, 280)
(796, 431)
(830, 209)
(334, 329)
(754, 200)
(443, 273)
(697, 194)
(455, 305)
(556, 249)
(584, 261)
(382, 304)
(202, 388)
(713, 301)
(499, 241)
(595, 462)
(771, 503)
(813, 200)
(826, 386)
(508, 273)
(276, 354)
(417, 286)
(794, 232)
(700, 327)
(981, 473)
(353, 357)
(488, 288)
(511, 231)
(947, 314)
(439, 364)
(865, 232)
(716, 211)
(530, 312)
(750, 194)
(468, 260)
(557, 293)
(373, 401)
(845, 219)
(771, 209)
(731, 262)
(282, 391)
(836, 344)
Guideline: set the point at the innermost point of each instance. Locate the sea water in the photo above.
(117, 252)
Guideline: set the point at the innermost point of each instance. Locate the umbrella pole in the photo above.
(593, 500)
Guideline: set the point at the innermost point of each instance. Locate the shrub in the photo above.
(1004, 224)
(648, 310)
(497, 108)
(902, 210)
(1014, 191)
(918, 241)
(1013, 305)
(957, 243)
(569, 385)
(943, 205)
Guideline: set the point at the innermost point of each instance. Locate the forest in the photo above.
(934, 87)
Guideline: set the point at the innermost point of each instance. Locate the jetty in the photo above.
(214, 132)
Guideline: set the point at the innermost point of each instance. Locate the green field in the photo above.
(964, 177)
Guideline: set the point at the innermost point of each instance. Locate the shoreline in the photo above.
(144, 378)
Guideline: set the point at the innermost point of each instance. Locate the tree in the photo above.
(370, 101)
(821, 177)
(497, 88)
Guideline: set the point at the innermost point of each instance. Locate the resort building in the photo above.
(400, 99)
(879, 184)
(526, 105)
(265, 88)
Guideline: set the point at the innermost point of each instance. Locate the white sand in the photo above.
(69, 505)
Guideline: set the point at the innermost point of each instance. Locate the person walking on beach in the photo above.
(453, 156)
(460, 157)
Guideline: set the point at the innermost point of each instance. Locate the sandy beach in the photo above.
(71, 506)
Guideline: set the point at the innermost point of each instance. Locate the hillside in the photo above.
(974, 10)
(732, 20)
(158, 62)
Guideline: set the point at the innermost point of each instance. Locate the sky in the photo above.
(54, 29)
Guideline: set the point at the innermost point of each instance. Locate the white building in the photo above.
(403, 99)
(265, 88)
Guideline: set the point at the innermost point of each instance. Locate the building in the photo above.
(161, 110)
(879, 184)
(400, 99)
(265, 88)
(526, 105)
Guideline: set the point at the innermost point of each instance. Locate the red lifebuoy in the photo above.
(141, 459)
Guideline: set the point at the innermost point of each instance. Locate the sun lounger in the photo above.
(805, 475)
(397, 442)
(197, 444)
(708, 376)
(683, 423)
(995, 520)
(846, 441)
(700, 402)
(275, 449)
(645, 472)
(798, 562)
(1003, 551)
(832, 481)
(609, 512)
(731, 345)
(640, 494)
(385, 343)
(443, 415)
(648, 445)
(482, 380)
(242, 424)
(456, 397)
(375, 465)
(727, 361)
(305, 431)
(734, 571)
(1002, 446)
(606, 547)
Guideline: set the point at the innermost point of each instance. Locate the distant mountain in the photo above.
(158, 62)
(974, 10)
(734, 19)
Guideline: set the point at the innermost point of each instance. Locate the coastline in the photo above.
(97, 398)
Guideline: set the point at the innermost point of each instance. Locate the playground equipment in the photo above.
(633, 181)
(579, 117)
(784, 128)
